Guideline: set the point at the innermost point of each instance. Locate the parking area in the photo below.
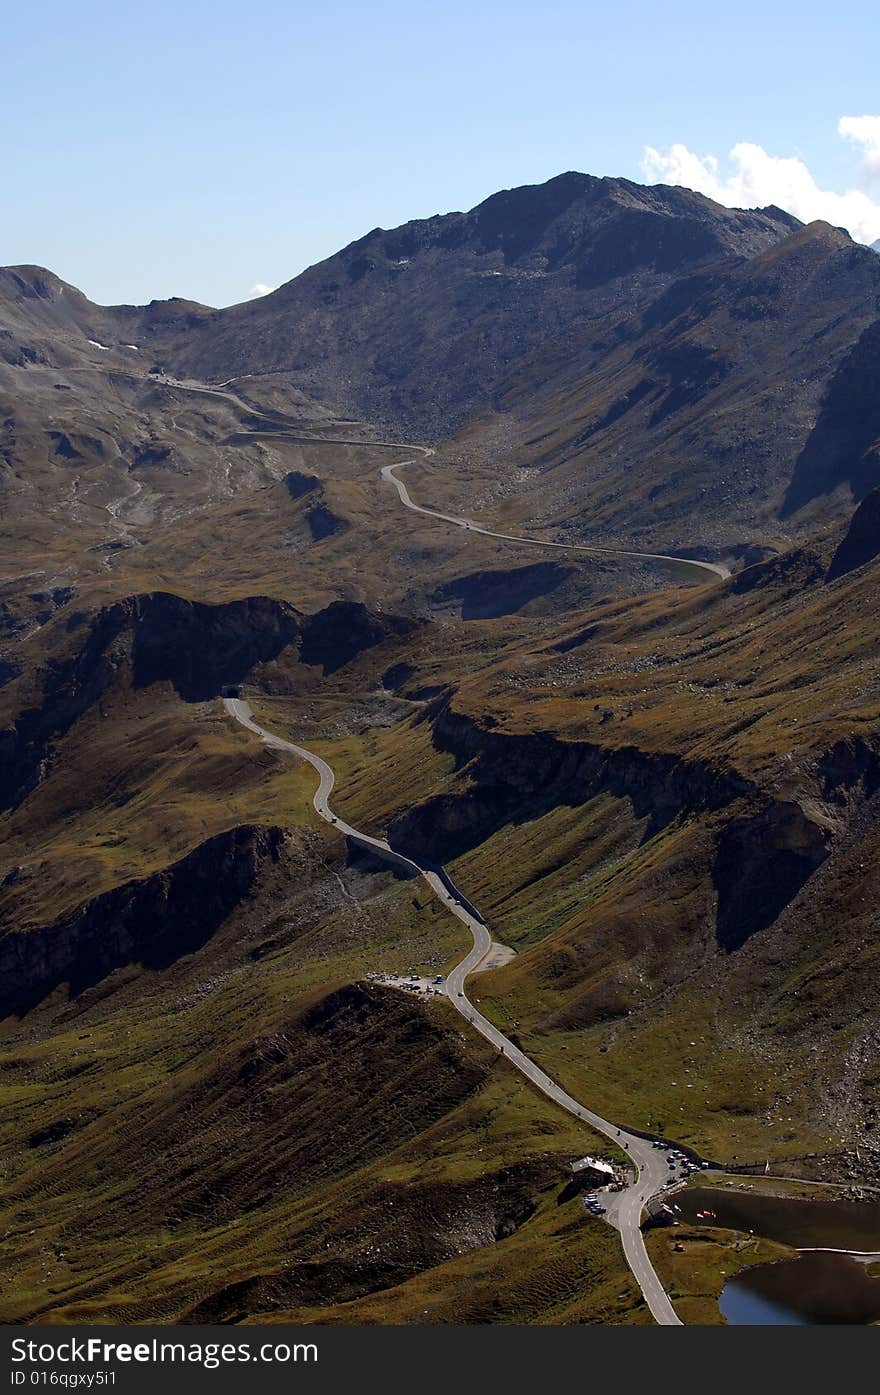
(604, 1202)
(428, 987)
(679, 1164)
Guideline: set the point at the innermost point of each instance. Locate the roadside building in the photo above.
(594, 1171)
(659, 1213)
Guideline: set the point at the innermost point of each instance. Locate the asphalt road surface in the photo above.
(652, 1170)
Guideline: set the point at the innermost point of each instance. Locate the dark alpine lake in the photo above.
(839, 1225)
(809, 1290)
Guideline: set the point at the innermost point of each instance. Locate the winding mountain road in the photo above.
(716, 570)
(649, 1162)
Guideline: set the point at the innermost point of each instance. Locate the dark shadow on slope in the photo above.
(844, 446)
(862, 541)
(324, 523)
(367, 859)
(200, 648)
(490, 594)
(342, 630)
(761, 864)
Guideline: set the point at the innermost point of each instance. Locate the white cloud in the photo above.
(753, 178)
(259, 289)
(865, 131)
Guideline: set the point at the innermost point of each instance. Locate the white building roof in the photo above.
(595, 1164)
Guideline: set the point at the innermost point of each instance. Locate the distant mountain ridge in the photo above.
(647, 357)
(369, 329)
(419, 326)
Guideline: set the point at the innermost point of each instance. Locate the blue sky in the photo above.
(203, 149)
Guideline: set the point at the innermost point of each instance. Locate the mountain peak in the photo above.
(27, 282)
(526, 264)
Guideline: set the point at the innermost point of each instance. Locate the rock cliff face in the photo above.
(765, 850)
(198, 648)
(792, 570)
(298, 484)
(850, 770)
(70, 688)
(324, 523)
(511, 779)
(151, 921)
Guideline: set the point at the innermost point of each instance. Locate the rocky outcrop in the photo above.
(70, 688)
(792, 570)
(850, 769)
(321, 520)
(765, 853)
(427, 1225)
(324, 523)
(151, 921)
(148, 456)
(201, 649)
(298, 484)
